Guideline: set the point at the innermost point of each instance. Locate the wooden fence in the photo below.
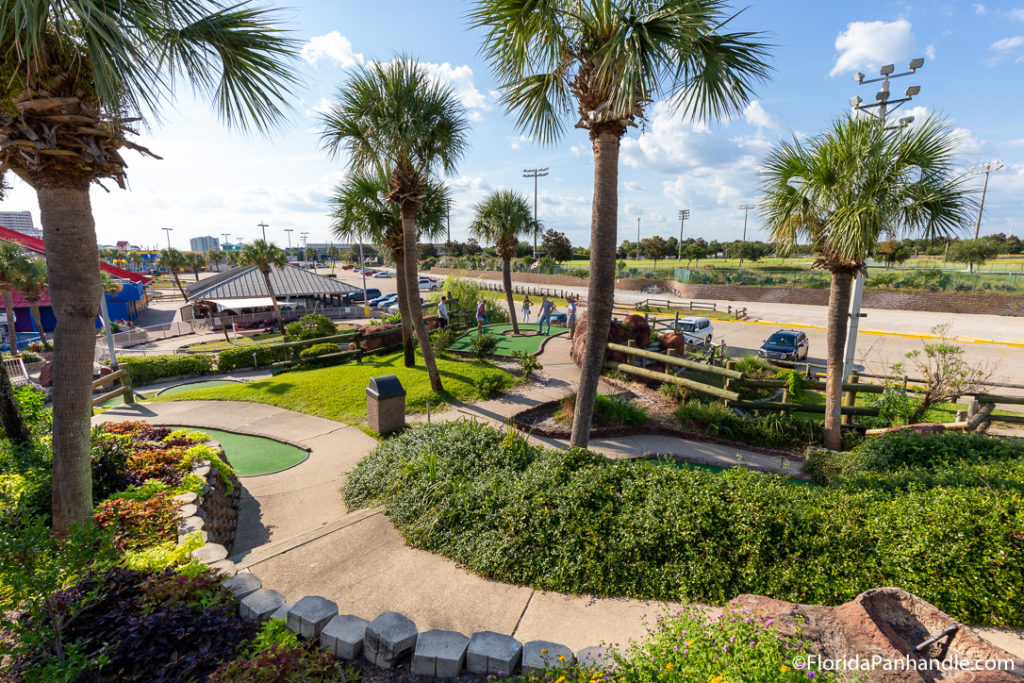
(124, 390)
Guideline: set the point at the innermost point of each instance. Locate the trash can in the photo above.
(385, 404)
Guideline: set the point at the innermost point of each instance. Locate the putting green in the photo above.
(253, 455)
(190, 386)
(528, 339)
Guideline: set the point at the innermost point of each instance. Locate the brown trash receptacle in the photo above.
(385, 404)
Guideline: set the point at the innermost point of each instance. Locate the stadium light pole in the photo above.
(883, 107)
(263, 226)
(534, 173)
(289, 231)
(683, 215)
(638, 241)
(168, 231)
(226, 236)
(987, 169)
(745, 208)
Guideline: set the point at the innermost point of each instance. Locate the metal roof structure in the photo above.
(247, 283)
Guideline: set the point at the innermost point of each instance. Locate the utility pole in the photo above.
(745, 208)
(683, 215)
(289, 231)
(534, 173)
(264, 227)
(638, 241)
(448, 213)
(987, 169)
(226, 237)
(168, 231)
(884, 106)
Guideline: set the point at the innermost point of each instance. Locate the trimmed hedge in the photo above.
(249, 357)
(574, 521)
(148, 369)
(318, 350)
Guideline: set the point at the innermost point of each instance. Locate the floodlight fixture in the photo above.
(913, 90)
(858, 77)
(887, 69)
(916, 63)
(882, 95)
(906, 120)
(855, 101)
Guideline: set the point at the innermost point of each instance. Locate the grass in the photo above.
(528, 340)
(339, 392)
(254, 455)
(193, 386)
(255, 340)
(713, 315)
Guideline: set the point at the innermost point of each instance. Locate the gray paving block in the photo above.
(343, 636)
(211, 552)
(189, 510)
(201, 471)
(282, 611)
(186, 498)
(493, 653)
(243, 584)
(190, 524)
(595, 657)
(260, 604)
(439, 653)
(543, 655)
(225, 567)
(388, 637)
(310, 614)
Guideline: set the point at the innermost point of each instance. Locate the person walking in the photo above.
(571, 317)
(546, 309)
(442, 314)
(481, 317)
(526, 308)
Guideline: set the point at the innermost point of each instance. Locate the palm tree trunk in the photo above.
(37, 318)
(403, 308)
(506, 277)
(10, 415)
(177, 281)
(12, 333)
(412, 293)
(601, 290)
(72, 261)
(273, 300)
(838, 312)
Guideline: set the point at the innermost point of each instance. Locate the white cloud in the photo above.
(1008, 43)
(929, 52)
(1017, 14)
(756, 115)
(461, 79)
(520, 141)
(323, 106)
(1016, 143)
(634, 186)
(332, 46)
(967, 142)
(576, 150)
(978, 8)
(870, 44)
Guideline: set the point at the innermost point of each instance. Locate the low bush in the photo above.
(483, 345)
(489, 386)
(609, 411)
(312, 326)
(249, 357)
(319, 350)
(527, 362)
(138, 523)
(148, 369)
(305, 663)
(573, 521)
(772, 430)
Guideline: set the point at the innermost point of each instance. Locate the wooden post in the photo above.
(672, 353)
(851, 397)
(633, 360)
(972, 408)
(676, 326)
(729, 365)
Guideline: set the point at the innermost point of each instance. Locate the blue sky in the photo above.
(213, 180)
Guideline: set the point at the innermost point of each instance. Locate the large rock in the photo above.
(368, 343)
(887, 623)
(632, 327)
(46, 375)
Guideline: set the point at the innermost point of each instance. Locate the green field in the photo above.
(529, 339)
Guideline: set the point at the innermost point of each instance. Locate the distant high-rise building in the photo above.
(204, 243)
(20, 221)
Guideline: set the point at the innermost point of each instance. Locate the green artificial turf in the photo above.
(339, 392)
(193, 386)
(252, 455)
(528, 339)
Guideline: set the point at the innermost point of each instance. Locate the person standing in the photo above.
(526, 308)
(442, 314)
(546, 309)
(481, 317)
(571, 317)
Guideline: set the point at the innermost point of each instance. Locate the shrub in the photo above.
(443, 339)
(138, 523)
(288, 664)
(574, 521)
(609, 411)
(483, 345)
(312, 326)
(528, 363)
(489, 386)
(30, 356)
(674, 392)
(772, 430)
(249, 357)
(148, 369)
(319, 350)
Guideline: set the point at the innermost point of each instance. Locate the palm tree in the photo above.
(174, 261)
(396, 120)
(501, 218)
(602, 62)
(844, 189)
(215, 256)
(30, 280)
(80, 76)
(266, 256)
(195, 261)
(361, 208)
(334, 254)
(11, 264)
(136, 260)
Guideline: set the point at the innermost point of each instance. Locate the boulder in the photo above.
(632, 327)
(46, 375)
(368, 343)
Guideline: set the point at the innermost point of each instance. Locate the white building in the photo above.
(20, 221)
(204, 244)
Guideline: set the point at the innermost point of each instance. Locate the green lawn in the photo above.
(253, 455)
(528, 340)
(217, 346)
(195, 386)
(339, 392)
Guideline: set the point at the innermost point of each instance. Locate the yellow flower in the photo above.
(784, 669)
(561, 679)
(543, 651)
(717, 679)
(668, 667)
(561, 658)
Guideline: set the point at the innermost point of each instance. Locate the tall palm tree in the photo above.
(80, 76)
(135, 258)
(361, 209)
(30, 280)
(501, 219)
(602, 62)
(394, 119)
(195, 261)
(843, 190)
(11, 264)
(215, 256)
(266, 256)
(174, 261)
(334, 254)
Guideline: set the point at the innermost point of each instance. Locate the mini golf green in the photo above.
(528, 339)
(192, 386)
(253, 455)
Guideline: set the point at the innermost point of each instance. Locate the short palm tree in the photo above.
(216, 257)
(195, 261)
(266, 256)
(310, 254)
(361, 209)
(135, 258)
(602, 62)
(79, 77)
(12, 262)
(394, 119)
(334, 254)
(174, 261)
(846, 188)
(501, 219)
(31, 282)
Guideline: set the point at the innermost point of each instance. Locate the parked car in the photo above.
(347, 266)
(697, 330)
(384, 300)
(393, 308)
(357, 296)
(785, 345)
(427, 284)
(382, 273)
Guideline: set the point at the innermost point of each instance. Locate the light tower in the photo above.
(683, 215)
(263, 226)
(168, 231)
(987, 169)
(534, 173)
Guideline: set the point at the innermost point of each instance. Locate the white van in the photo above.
(697, 330)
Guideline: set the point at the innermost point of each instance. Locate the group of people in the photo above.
(547, 310)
